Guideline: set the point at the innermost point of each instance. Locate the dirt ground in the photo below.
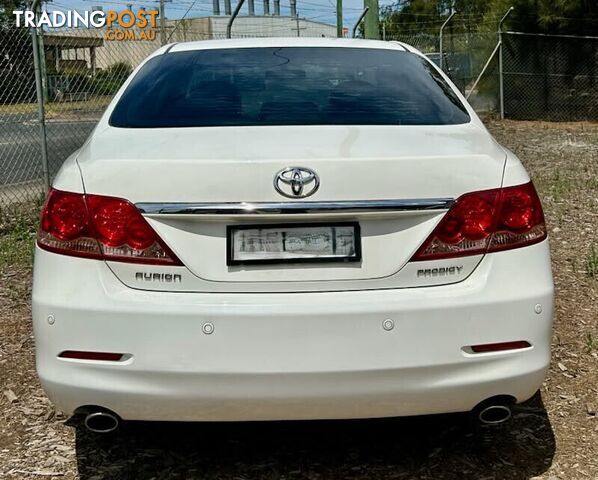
(553, 436)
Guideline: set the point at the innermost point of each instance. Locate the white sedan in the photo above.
(290, 229)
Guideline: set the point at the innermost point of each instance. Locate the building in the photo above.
(78, 61)
(75, 47)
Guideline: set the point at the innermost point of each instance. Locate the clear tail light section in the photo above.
(487, 221)
(97, 226)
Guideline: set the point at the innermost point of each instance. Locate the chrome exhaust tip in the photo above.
(101, 422)
(494, 414)
(494, 410)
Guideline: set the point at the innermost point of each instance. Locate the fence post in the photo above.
(441, 61)
(229, 25)
(359, 20)
(501, 92)
(39, 90)
(162, 23)
(339, 18)
(477, 80)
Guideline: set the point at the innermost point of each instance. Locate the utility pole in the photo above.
(162, 23)
(372, 20)
(339, 18)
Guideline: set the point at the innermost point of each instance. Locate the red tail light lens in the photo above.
(97, 226)
(498, 347)
(487, 221)
(99, 356)
(65, 226)
(66, 217)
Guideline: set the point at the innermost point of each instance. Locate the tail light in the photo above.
(100, 356)
(499, 347)
(96, 226)
(487, 221)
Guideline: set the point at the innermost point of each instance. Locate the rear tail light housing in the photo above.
(487, 221)
(102, 227)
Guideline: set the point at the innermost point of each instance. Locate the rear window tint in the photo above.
(287, 86)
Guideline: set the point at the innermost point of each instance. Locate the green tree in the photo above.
(574, 17)
(16, 56)
(414, 16)
(15, 42)
(7, 18)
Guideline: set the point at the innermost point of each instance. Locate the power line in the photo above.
(183, 18)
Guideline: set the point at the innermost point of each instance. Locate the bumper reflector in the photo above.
(99, 356)
(497, 347)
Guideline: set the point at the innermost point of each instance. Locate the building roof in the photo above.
(73, 41)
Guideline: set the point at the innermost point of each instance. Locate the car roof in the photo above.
(287, 42)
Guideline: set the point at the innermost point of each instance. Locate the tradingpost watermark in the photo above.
(118, 26)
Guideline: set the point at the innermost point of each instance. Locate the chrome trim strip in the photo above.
(275, 208)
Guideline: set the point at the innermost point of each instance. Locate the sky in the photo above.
(319, 10)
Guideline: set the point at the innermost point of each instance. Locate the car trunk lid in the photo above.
(233, 167)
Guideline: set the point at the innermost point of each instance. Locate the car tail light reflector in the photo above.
(98, 356)
(487, 221)
(97, 226)
(498, 347)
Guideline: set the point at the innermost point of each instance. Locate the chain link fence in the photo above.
(79, 72)
(550, 77)
(81, 69)
(20, 164)
(464, 56)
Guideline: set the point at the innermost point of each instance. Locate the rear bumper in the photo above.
(292, 355)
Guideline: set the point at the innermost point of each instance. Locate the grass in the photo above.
(591, 343)
(592, 263)
(559, 185)
(18, 226)
(57, 108)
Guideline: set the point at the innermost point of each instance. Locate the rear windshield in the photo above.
(287, 86)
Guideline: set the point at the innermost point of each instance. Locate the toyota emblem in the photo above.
(296, 182)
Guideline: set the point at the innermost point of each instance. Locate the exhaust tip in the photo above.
(494, 410)
(101, 422)
(494, 414)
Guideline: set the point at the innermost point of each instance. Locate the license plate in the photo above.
(293, 243)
